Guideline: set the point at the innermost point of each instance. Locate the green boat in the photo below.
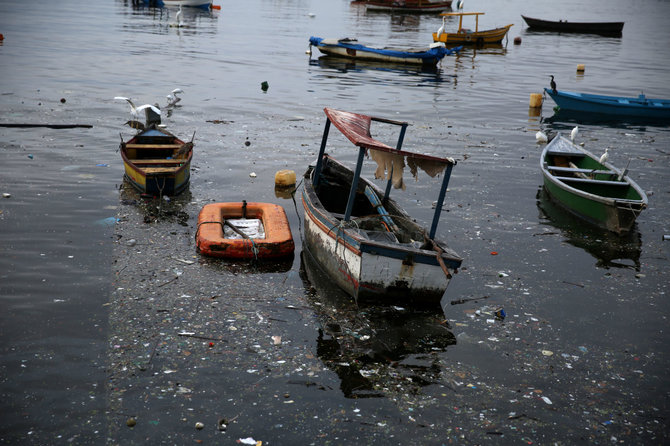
(597, 192)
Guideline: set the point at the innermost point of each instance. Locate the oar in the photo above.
(623, 172)
(235, 228)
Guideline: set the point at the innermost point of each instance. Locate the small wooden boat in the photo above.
(639, 107)
(602, 28)
(156, 162)
(413, 6)
(364, 240)
(465, 36)
(597, 192)
(244, 230)
(351, 49)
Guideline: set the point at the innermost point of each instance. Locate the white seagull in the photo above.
(440, 30)
(541, 137)
(604, 156)
(134, 111)
(173, 98)
(573, 133)
(179, 23)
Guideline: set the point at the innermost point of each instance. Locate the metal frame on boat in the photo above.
(351, 49)
(597, 192)
(362, 238)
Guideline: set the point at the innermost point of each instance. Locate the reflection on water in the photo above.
(156, 209)
(151, 18)
(609, 249)
(374, 350)
(345, 64)
(575, 117)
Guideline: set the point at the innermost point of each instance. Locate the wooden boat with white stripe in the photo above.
(362, 238)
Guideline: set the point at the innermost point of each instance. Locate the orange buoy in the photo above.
(275, 242)
(285, 178)
(580, 68)
(535, 100)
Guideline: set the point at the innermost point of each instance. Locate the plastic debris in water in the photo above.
(109, 221)
(500, 313)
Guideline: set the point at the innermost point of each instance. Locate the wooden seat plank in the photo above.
(577, 169)
(591, 181)
(153, 146)
(140, 162)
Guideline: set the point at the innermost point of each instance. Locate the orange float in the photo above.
(214, 218)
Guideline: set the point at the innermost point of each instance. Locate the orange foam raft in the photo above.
(212, 241)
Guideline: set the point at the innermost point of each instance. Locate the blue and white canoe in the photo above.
(350, 48)
(639, 107)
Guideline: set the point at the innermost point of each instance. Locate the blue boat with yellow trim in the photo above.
(156, 162)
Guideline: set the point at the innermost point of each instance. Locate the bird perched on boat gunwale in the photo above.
(604, 156)
(552, 83)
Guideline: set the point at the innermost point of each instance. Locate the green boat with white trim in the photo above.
(597, 192)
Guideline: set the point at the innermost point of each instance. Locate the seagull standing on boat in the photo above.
(135, 111)
(552, 84)
(173, 98)
(604, 156)
(573, 133)
(440, 30)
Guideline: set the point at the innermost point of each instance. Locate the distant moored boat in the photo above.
(603, 28)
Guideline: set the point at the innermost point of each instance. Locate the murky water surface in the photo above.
(110, 314)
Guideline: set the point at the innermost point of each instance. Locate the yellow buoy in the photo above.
(535, 100)
(580, 68)
(285, 178)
